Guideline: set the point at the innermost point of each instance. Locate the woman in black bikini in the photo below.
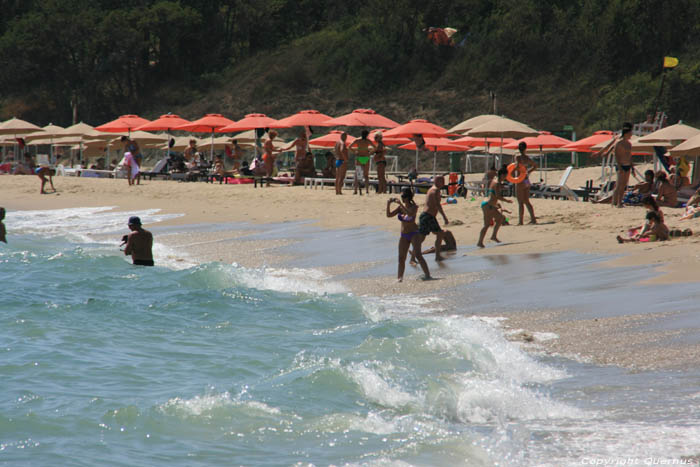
(380, 161)
(406, 212)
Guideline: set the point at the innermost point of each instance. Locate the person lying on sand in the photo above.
(657, 231)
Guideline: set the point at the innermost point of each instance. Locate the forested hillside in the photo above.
(590, 63)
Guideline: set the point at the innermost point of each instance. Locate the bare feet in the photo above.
(439, 258)
(495, 240)
(413, 263)
(426, 278)
(533, 221)
(480, 245)
(400, 279)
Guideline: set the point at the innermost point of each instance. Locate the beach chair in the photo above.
(560, 190)
(158, 169)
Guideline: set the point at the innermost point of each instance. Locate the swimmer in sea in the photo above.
(139, 243)
(406, 211)
(490, 208)
(3, 232)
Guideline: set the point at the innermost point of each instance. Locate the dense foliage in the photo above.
(114, 56)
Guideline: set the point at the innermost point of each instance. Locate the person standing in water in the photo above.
(406, 211)
(361, 148)
(139, 243)
(522, 189)
(427, 222)
(380, 161)
(490, 208)
(3, 232)
(341, 162)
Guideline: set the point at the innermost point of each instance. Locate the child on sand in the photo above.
(657, 230)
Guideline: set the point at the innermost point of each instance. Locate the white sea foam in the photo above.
(78, 223)
(294, 280)
(377, 389)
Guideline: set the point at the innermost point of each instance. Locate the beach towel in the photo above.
(131, 162)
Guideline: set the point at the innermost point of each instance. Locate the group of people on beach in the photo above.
(363, 148)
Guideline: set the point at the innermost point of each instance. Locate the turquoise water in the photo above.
(104, 363)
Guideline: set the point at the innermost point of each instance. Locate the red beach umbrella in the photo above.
(122, 124)
(545, 140)
(210, 123)
(417, 127)
(164, 123)
(252, 122)
(389, 141)
(435, 145)
(585, 144)
(363, 117)
(305, 118)
(329, 140)
(474, 142)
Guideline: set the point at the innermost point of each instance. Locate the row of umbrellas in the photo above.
(482, 131)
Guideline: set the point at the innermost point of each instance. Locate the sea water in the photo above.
(104, 363)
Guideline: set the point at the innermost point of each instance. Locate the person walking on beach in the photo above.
(490, 208)
(361, 148)
(3, 232)
(522, 189)
(427, 222)
(139, 243)
(341, 162)
(380, 161)
(269, 155)
(43, 173)
(131, 146)
(406, 211)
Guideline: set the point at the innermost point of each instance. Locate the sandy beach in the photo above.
(580, 227)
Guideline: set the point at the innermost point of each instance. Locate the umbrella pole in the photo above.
(434, 162)
(417, 150)
(211, 153)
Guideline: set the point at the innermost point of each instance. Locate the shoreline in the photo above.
(560, 231)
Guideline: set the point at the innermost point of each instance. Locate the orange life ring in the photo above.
(522, 173)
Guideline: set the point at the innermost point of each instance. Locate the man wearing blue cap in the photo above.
(139, 243)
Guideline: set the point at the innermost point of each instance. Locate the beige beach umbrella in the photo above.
(672, 134)
(47, 132)
(15, 126)
(86, 131)
(690, 147)
(502, 127)
(638, 148)
(473, 122)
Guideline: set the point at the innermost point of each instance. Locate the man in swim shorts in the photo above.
(139, 243)
(427, 223)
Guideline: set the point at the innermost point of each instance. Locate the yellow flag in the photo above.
(670, 62)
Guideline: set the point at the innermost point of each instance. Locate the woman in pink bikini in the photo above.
(406, 212)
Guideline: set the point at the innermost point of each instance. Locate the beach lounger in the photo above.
(158, 169)
(560, 190)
